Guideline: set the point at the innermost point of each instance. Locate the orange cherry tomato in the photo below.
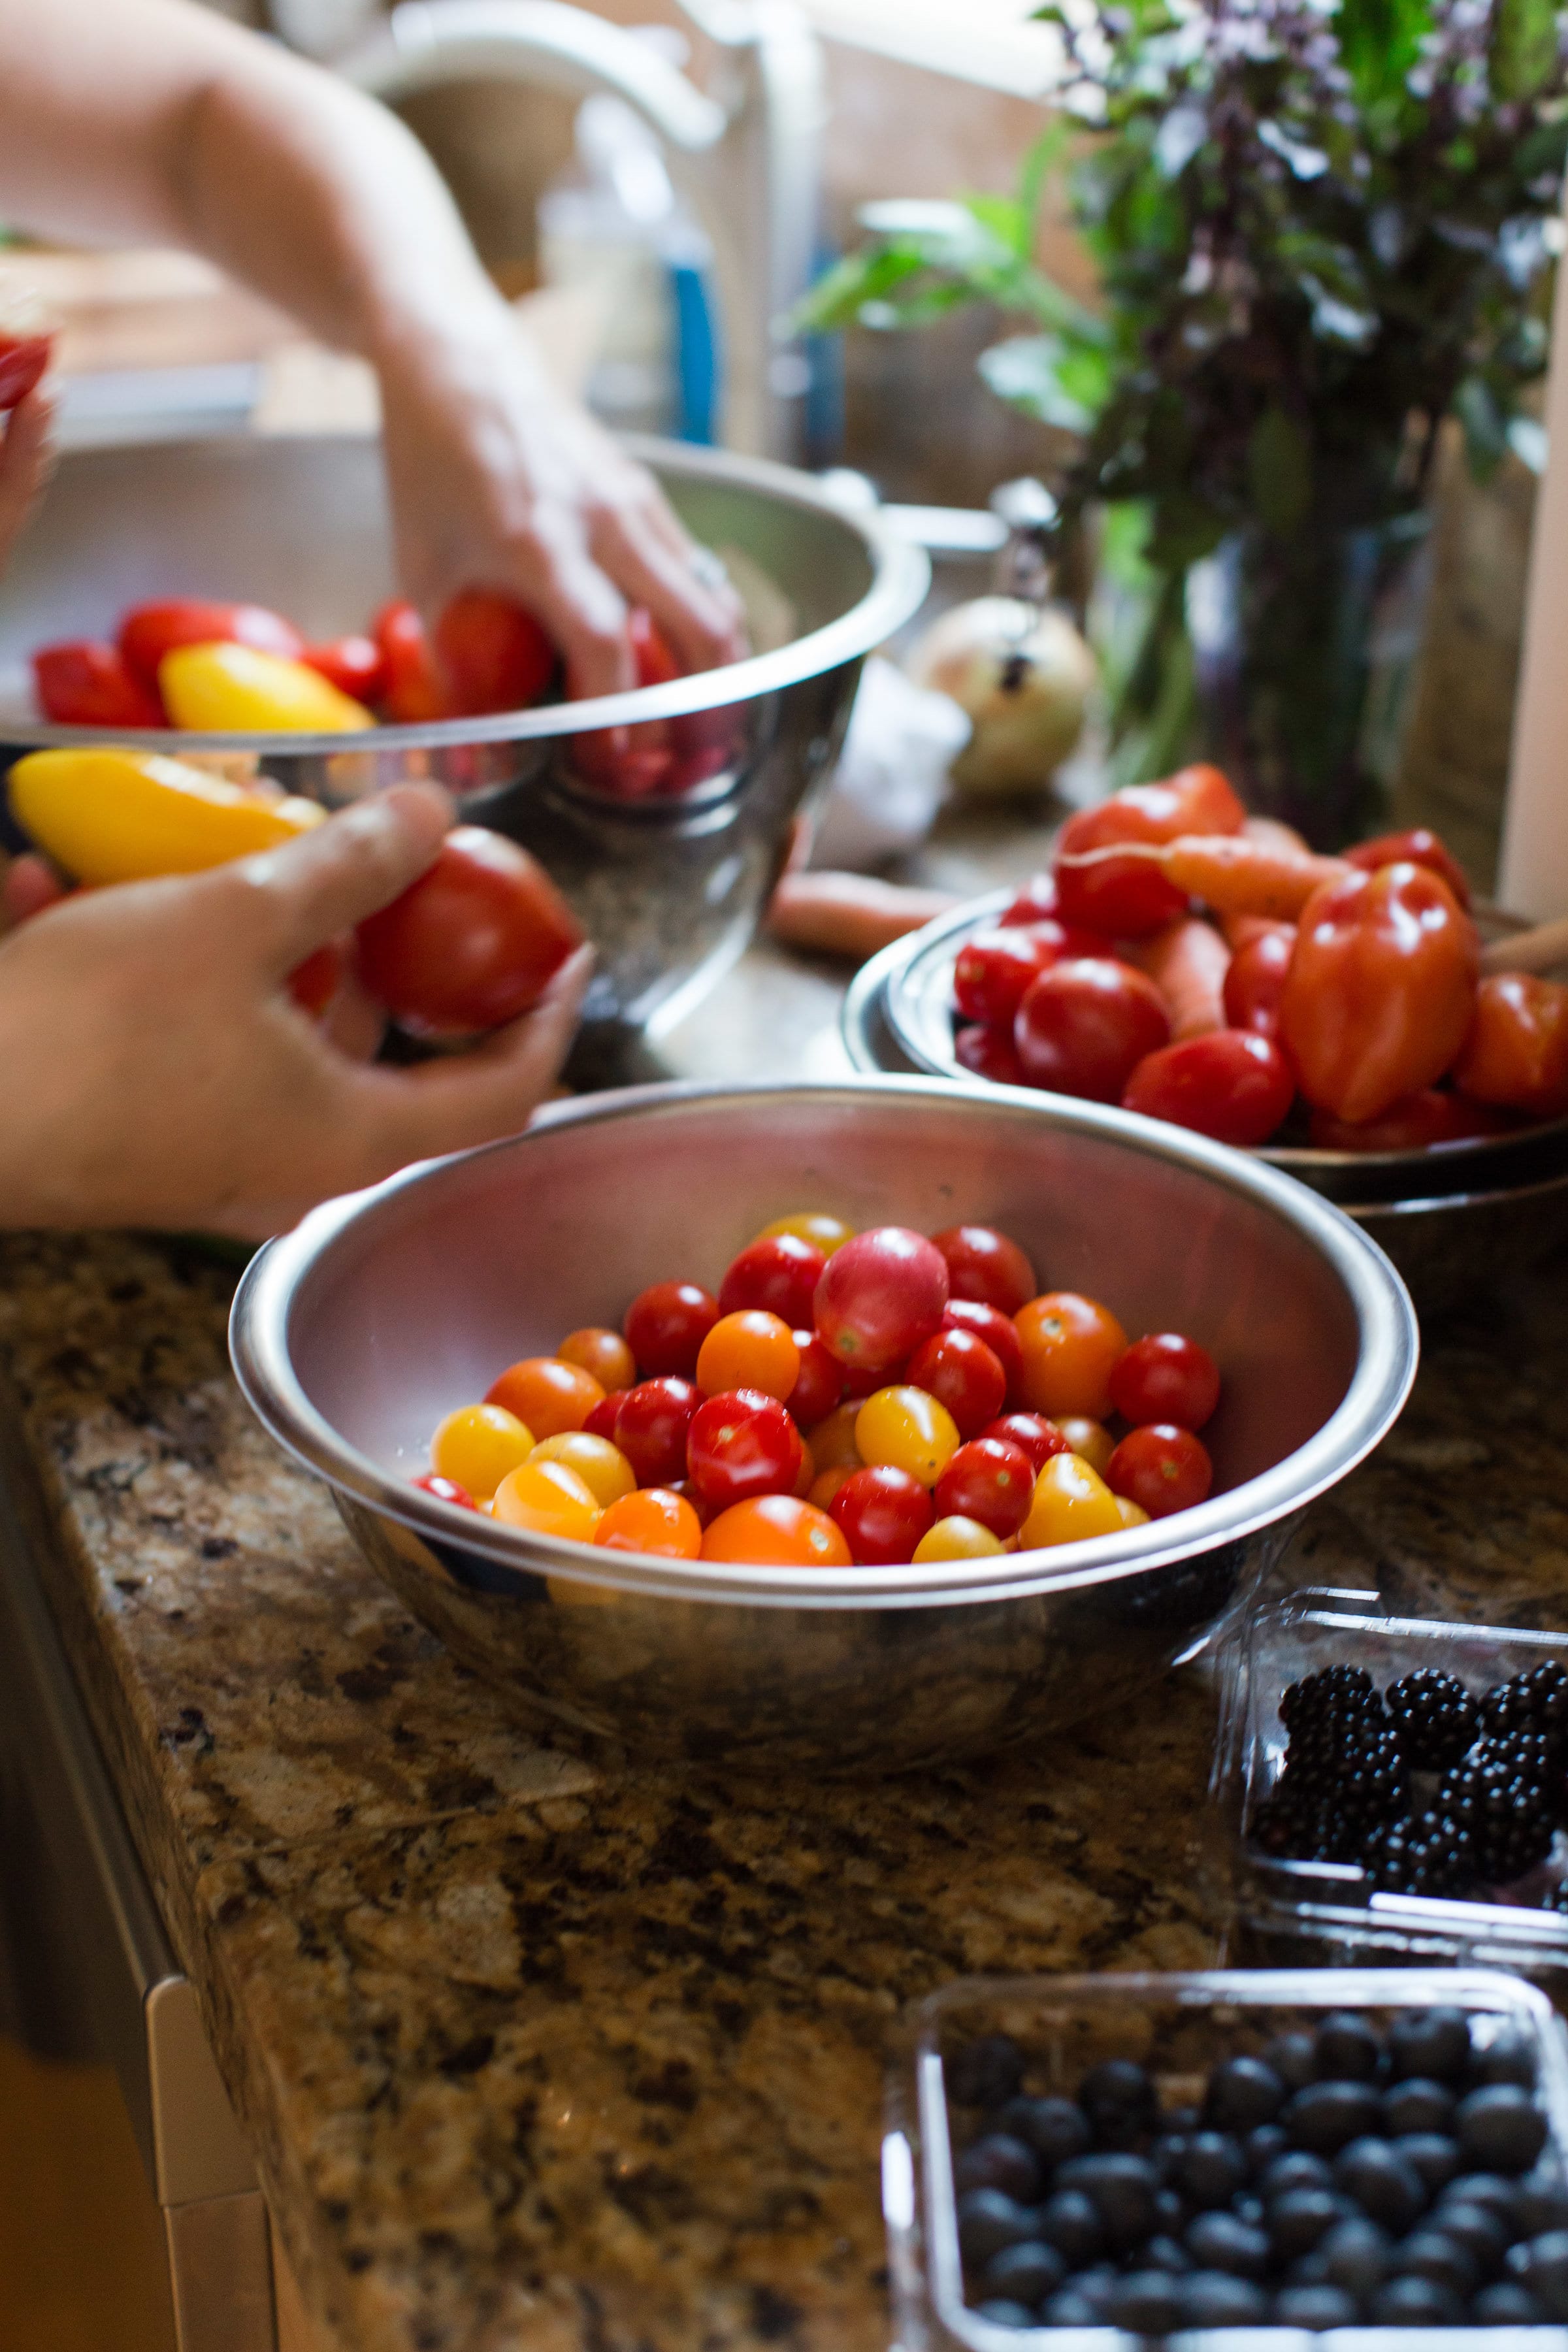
(601, 1467)
(549, 1395)
(907, 1430)
(827, 1483)
(651, 1520)
(602, 1352)
(1072, 1502)
(1071, 1346)
(832, 1441)
(477, 1445)
(956, 1538)
(815, 1226)
(777, 1531)
(1089, 1439)
(751, 1349)
(548, 1498)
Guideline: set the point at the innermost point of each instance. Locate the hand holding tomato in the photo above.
(472, 944)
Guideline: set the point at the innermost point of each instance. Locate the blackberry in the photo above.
(1429, 1854)
(1505, 1795)
(1434, 1716)
(1334, 1690)
(1354, 1764)
(1536, 1701)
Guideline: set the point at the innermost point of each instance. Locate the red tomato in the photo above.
(740, 1444)
(1032, 1435)
(1255, 977)
(989, 1479)
(1084, 1027)
(883, 1513)
(1232, 1085)
(1516, 1053)
(995, 967)
(819, 1383)
(1414, 1123)
(780, 1272)
(999, 1332)
(148, 631)
(492, 652)
(313, 983)
(777, 1530)
(1418, 848)
(472, 944)
(447, 1490)
(1130, 896)
(880, 1296)
(1164, 1377)
(651, 1426)
(984, 1264)
(1160, 1468)
(413, 687)
(989, 1054)
(601, 1421)
(961, 1372)
(665, 1326)
(89, 685)
(1036, 902)
(355, 664)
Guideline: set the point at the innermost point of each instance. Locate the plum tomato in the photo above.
(651, 1428)
(548, 1498)
(1129, 896)
(1254, 978)
(908, 1430)
(984, 1265)
(665, 1326)
(652, 1520)
(447, 1490)
(1164, 1376)
(832, 1441)
(777, 1531)
(740, 1444)
(1516, 1054)
(1414, 1123)
(1232, 1085)
(601, 1467)
(989, 1054)
(989, 1480)
(814, 1225)
(955, 1538)
(883, 1513)
(780, 1272)
(1160, 1468)
(818, 1384)
(148, 631)
(998, 1331)
(477, 1445)
(880, 1296)
(601, 1421)
(1089, 1438)
(1417, 847)
(1035, 903)
(1071, 1347)
(1032, 1435)
(471, 944)
(995, 966)
(550, 1396)
(1083, 1027)
(1072, 1504)
(962, 1372)
(604, 1353)
(753, 1349)
(492, 652)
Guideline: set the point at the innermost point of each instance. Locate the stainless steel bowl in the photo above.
(354, 1335)
(669, 888)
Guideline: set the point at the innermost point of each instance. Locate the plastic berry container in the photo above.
(1051, 2031)
(1280, 1910)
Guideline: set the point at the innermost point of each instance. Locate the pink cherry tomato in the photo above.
(882, 1292)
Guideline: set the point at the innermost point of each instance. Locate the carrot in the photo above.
(1188, 962)
(1236, 876)
(849, 914)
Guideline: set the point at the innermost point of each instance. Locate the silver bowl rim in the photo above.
(898, 980)
(901, 576)
(1384, 1370)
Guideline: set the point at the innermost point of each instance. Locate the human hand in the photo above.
(158, 1072)
(26, 456)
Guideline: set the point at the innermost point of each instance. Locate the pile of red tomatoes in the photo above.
(847, 1399)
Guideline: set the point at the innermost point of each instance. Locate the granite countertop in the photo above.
(592, 2058)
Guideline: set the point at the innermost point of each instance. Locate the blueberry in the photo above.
(1433, 2044)
(1026, 2273)
(1071, 2308)
(1148, 2303)
(1182, 2119)
(1417, 2106)
(1510, 2058)
(1293, 2058)
(1434, 2155)
(987, 2220)
(1414, 2302)
(1326, 2117)
(1432, 2253)
(1122, 2190)
(1506, 2304)
(1163, 2152)
(1054, 2128)
(999, 2161)
(1298, 2171)
(1263, 2145)
(1499, 2196)
(1219, 2241)
(1355, 2255)
(1388, 2191)
(1346, 2049)
(1247, 2208)
(1313, 2306)
(1070, 2222)
(1210, 2169)
(1163, 2253)
(1300, 2218)
(1542, 2201)
(1482, 2235)
(1242, 2093)
(1002, 2314)
(1098, 2285)
(1219, 2299)
(1172, 2211)
(1118, 2094)
(985, 2073)
(1501, 2127)
(1542, 2265)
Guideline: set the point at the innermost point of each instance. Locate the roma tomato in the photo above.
(1032, 1435)
(984, 1264)
(477, 1445)
(1071, 1346)
(1166, 1377)
(777, 1531)
(740, 1444)
(961, 1372)
(1418, 848)
(1160, 1468)
(447, 1490)
(1232, 1085)
(355, 664)
(148, 631)
(471, 944)
(550, 1396)
(1414, 1123)
(491, 653)
(653, 1521)
(601, 1465)
(666, 1325)
(989, 1054)
(881, 1295)
(547, 1500)
(752, 1349)
(998, 1331)
(1072, 1504)
(412, 686)
(1083, 1028)
(88, 684)
(995, 967)
(989, 1480)
(1516, 1053)
(883, 1512)
(1255, 979)
(780, 1272)
(957, 1539)
(818, 1384)
(651, 1428)
(604, 1353)
(814, 1225)
(908, 1430)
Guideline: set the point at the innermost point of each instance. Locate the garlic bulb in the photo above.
(1023, 676)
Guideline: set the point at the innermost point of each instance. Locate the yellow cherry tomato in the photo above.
(1089, 1439)
(1072, 1502)
(1130, 1514)
(956, 1538)
(832, 1441)
(751, 1349)
(477, 1445)
(815, 1226)
(234, 689)
(603, 1467)
(602, 1352)
(907, 1429)
(126, 816)
(548, 1498)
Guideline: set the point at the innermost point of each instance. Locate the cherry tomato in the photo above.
(471, 944)
(1089, 1438)
(1072, 1504)
(601, 1467)
(1032, 1435)
(355, 664)
(1418, 848)
(665, 1326)
(447, 1490)
(1165, 1377)
(806, 1476)
(957, 1539)
(604, 1353)
(883, 1512)
(989, 1480)
(961, 1372)
(832, 1441)
(825, 1486)
(819, 1383)
(1131, 1514)
(148, 631)
(1255, 979)
(547, 1394)
(780, 1272)
(995, 967)
(1414, 1123)
(881, 1295)
(1516, 1053)
(477, 1445)
(989, 1054)
(601, 1421)
(752, 1349)
(548, 1498)
(413, 687)
(313, 983)
(1071, 1347)
(1036, 902)
(1232, 1085)
(1083, 1028)
(908, 1430)
(88, 684)
(26, 340)
(1130, 896)
(984, 1264)
(999, 1332)
(1160, 1468)
(814, 1225)
(651, 1429)
(777, 1531)
(740, 1444)
(492, 652)
(652, 1520)
(685, 1492)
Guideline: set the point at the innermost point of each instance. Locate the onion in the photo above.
(1024, 677)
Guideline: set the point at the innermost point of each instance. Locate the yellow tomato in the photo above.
(603, 1467)
(833, 1445)
(956, 1538)
(1072, 1502)
(907, 1429)
(126, 816)
(815, 1226)
(234, 689)
(477, 1445)
(751, 1349)
(548, 1498)
(1130, 1514)
(1089, 1439)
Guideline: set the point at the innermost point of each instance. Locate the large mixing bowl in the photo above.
(354, 1335)
(669, 888)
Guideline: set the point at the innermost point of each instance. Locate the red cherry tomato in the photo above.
(651, 1426)
(883, 1513)
(818, 1384)
(1165, 1377)
(601, 1421)
(962, 1374)
(1130, 896)
(1418, 848)
(1232, 1085)
(989, 1480)
(740, 1444)
(413, 687)
(491, 653)
(447, 1490)
(472, 944)
(89, 685)
(1414, 1123)
(1160, 1468)
(880, 1296)
(984, 1264)
(989, 1054)
(999, 1332)
(1084, 1027)
(355, 664)
(995, 967)
(148, 631)
(1036, 902)
(665, 1326)
(313, 983)
(1255, 977)
(1033, 1434)
(780, 1272)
